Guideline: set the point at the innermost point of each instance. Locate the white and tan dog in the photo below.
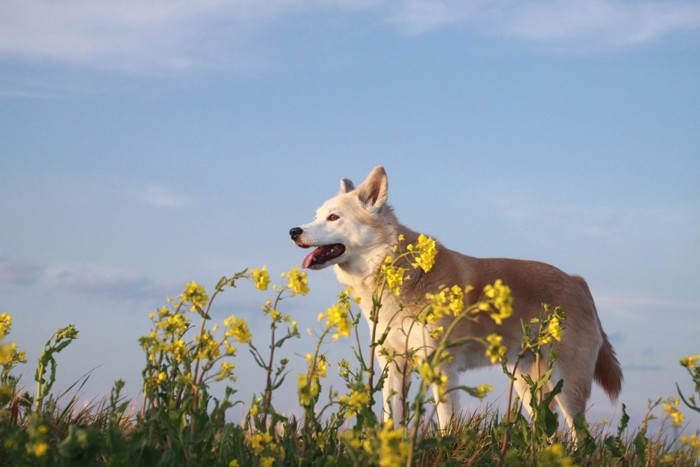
(357, 229)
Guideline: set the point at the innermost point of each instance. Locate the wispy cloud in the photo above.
(18, 273)
(591, 23)
(103, 282)
(530, 212)
(142, 37)
(162, 197)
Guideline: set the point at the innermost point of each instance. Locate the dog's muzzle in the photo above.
(322, 255)
(295, 232)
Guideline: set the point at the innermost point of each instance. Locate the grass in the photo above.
(180, 422)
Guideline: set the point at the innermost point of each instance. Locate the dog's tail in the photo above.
(608, 372)
(607, 369)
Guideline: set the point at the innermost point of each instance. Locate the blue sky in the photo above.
(144, 145)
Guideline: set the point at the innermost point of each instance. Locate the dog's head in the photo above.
(346, 225)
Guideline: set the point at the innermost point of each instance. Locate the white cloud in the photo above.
(103, 282)
(160, 196)
(16, 273)
(589, 23)
(528, 212)
(171, 35)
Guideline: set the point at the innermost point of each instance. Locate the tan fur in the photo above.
(368, 228)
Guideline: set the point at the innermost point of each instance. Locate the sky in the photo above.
(144, 145)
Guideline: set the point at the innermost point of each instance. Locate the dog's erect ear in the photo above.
(373, 191)
(346, 186)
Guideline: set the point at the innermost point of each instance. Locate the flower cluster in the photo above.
(265, 447)
(692, 364)
(9, 355)
(338, 316)
(430, 374)
(448, 301)
(309, 383)
(495, 350)
(298, 282)
(555, 455)
(693, 442)
(238, 329)
(671, 408)
(500, 301)
(196, 295)
(419, 255)
(423, 252)
(550, 328)
(261, 278)
(389, 445)
(175, 362)
(356, 399)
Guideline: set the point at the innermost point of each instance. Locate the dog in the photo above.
(356, 230)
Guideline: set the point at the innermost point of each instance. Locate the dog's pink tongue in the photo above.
(308, 259)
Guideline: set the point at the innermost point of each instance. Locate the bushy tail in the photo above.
(608, 372)
(607, 369)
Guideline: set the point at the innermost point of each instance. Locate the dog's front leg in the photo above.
(393, 389)
(450, 399)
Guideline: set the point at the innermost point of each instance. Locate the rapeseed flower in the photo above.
(482, 390)
(261, 278)
(393, 276)
(298, 283)
(690, 362)
(238, 329)
(424, 252)
(390, 446)
(338, 316)
(495, 351)
(555, 455)
(196, 295)
(501, 301)
(5, 324)
(693, 442)
(671, 408)
(355, 400)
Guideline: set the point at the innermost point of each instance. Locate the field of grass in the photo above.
(180, 422)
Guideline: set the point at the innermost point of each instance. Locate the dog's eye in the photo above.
(332, 217)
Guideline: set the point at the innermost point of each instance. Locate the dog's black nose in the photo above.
(295, 232)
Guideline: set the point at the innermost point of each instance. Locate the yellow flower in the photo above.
(233, 463)
(393, 448)
(305, 390)
(355, 400)
(393, 276)
(5, 324)
(482, 390)
(267, 461)
(424, 253)
(261, 278)
(495, 350)
(255, 409)
(693, 443)
(297, 281)
(555, 455)
(238, 329)
(259, 440)
(226, 372)
(690, 362)
(671, 408)
(41, 448)
(500, 299)
(338, 316)
(195, 294)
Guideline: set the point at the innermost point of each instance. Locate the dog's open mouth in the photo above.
(321, 255)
